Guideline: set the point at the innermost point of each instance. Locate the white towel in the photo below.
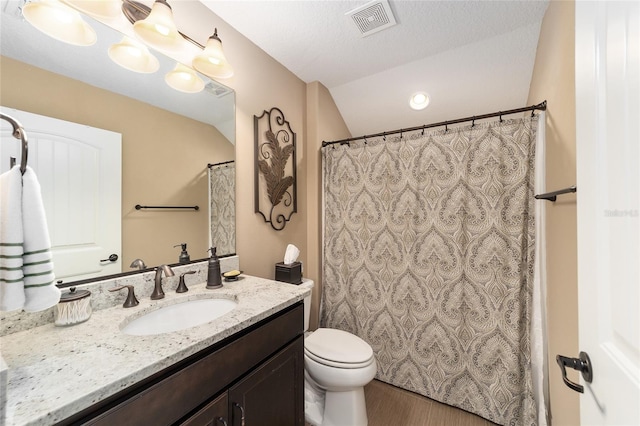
(36, 280)
(11, 241)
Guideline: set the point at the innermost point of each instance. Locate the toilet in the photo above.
(337, 366)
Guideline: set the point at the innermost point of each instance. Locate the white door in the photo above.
(79, 170)
(608, 159)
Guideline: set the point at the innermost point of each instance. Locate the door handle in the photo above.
(582, 364)
(112, 258)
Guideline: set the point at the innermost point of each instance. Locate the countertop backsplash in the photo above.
(102, 298)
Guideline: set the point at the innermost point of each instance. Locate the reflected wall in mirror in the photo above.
(222, 206)
(165, 153)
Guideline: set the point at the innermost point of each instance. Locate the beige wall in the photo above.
(160, 165)
(324, 123)
(553, 80)
(260, 84)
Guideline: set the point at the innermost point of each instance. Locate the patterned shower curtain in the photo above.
(222, 199)
(429, 255)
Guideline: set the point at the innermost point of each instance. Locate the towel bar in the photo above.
(551, 196)
(18, 133)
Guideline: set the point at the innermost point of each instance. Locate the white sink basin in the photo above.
(179, 316)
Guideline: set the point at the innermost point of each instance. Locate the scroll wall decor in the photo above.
(275, 168)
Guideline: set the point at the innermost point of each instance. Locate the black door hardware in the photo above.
(112, 258)
(582, 364)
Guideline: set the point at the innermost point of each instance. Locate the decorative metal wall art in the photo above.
(275, 168)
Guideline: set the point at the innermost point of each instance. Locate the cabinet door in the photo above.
(272, 395)
(213, 414)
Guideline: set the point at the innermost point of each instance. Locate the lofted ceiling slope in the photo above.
(472, 57)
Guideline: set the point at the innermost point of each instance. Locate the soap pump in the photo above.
(214, 279)
(184, 256)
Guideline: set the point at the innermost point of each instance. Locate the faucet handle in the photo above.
(131, 296)
(182, 288)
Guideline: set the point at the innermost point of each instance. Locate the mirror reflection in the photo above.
(168, 139)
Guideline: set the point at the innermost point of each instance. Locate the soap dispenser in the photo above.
(214, 279)
(184, 256)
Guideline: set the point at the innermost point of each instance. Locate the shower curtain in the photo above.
(222, 202)
(429, 257)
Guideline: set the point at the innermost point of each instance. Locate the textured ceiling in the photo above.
(472, 57)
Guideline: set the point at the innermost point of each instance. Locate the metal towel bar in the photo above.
(551, 196)
(138, 207)
(19, 133)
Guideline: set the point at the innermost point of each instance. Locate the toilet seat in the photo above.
(337, 348)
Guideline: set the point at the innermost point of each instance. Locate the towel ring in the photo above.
(19, 133)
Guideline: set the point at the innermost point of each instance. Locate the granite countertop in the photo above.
(54, 372)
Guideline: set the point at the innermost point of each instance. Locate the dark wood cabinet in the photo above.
(214, 413)
(271, 395)
(258, 371)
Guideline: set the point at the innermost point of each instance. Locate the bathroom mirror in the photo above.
(148, 178)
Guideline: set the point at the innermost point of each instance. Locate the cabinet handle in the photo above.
(235, 404)
(221, 420)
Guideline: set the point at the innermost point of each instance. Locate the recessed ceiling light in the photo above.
(419, 101)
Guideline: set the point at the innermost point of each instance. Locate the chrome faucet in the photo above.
(157, 290)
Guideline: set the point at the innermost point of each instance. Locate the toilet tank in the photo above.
(307, 303)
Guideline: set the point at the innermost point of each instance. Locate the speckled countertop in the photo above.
(54, 372)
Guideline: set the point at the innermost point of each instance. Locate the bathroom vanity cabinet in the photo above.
(254, 377)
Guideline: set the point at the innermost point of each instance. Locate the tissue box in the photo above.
(289, 273)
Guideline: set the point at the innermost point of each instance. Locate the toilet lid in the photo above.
(338, 346)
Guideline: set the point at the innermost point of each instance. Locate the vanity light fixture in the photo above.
(212, 61)
(184, 79)
(419, 101)
(158, 29)
(59, 21)
(134, 56)
(62, 20)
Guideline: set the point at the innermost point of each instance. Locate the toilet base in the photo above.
(346, 408)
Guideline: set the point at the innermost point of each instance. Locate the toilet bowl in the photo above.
(337, 366)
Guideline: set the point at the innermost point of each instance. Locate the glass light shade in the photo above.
(419, 101)
(105, 9)
(211, 61)
(184, 79)
(158, 29)
(134, 56)
(59, 21)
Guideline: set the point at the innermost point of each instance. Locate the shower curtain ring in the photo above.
(423, 127)
(501, 116)
(384, 136)
(473, 121)
(400, 134)
(446, 127)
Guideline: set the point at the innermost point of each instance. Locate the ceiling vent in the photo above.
(372, 17)
(217, 89)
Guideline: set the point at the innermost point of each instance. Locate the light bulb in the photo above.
(419, 101)
(59, 21)
(212, 61)
(158, 29)
(184, 79)
(134, 56)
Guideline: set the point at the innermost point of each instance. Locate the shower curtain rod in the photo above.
(210, 165)
(541, 106)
